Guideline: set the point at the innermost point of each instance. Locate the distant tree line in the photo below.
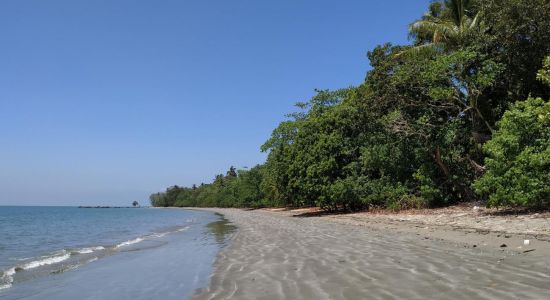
(461, 114)
(237, 188)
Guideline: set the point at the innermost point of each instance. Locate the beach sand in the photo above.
(277, 255)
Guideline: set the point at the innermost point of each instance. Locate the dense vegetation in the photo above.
(518, 161)
(437, 122)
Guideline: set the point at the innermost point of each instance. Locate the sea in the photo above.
(107, 253)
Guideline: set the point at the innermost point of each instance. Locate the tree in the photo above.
(517, 38)
(518, 160)
(416, 131)
(445, 27)
(135, 204)
(158, 200)
(519, 157)
(232, 172)
(431, 105)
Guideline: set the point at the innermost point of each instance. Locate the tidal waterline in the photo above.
(166, 255)
(221, 229)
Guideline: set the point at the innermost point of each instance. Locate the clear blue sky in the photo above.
(105, 102)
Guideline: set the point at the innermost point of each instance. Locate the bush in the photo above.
(518, 157)
(381, 192)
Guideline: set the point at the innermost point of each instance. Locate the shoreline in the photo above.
(165, 262)
(282, 254)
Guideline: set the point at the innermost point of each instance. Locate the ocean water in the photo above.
(107, 253)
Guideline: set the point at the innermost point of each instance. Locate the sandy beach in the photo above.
(284, 255)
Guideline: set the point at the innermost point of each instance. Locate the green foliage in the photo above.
(518, 156)
(518, 161)
(427, 188)
(382, 192)
(446, 26)
(414, 134)
(239, 188)
(517, 38)
(544, 74)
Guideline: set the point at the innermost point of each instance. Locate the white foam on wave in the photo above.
(183, 229)
(7, 278)
(130, 242)
(46, 261)
(90, 249)
(159, 235)
(92, 260)
(84, 251)
(154, 235)
(9, 272)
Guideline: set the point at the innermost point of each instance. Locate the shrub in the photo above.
(518, 157)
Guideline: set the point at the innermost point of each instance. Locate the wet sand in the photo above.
(274, 255)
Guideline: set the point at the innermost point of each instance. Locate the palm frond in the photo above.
(446, 27)
(420, 51)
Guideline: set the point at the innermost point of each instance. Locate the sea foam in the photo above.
(89, 249)
(130, 242)
(45, 261)
(7, 278)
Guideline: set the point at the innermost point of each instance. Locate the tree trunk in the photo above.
(440, 162)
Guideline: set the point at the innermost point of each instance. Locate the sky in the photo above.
(104, 102)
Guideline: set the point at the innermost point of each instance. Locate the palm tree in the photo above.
(446, 26)
(135, 204)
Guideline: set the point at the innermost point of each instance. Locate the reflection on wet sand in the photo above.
(220, 229)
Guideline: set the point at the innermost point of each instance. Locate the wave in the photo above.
(159, 235)
(5, 286)
(146, 237)
(88, 250)
(162, 234)
(130, 242)
(182, 229)
(46, 261)
(91, 260)
(7, 277)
